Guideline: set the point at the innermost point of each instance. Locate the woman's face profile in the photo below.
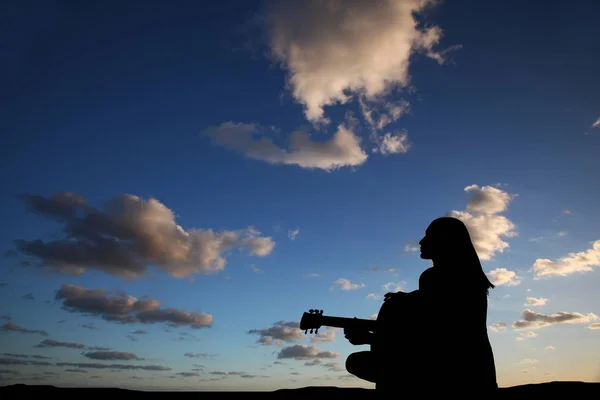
(426, 246)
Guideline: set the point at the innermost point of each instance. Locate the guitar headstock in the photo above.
(311, 320)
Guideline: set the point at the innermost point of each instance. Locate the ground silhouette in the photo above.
(547, 390)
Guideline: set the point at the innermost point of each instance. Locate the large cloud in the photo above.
(534, 320)
(286, 331)
(305, 352)
(487, 227)
(335, 49)
(341, 150)
(127, 309)
(569, 264)
(128, 235)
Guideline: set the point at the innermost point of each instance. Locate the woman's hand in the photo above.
(389, 295)
(358, 336)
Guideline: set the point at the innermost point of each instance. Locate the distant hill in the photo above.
(548, 390)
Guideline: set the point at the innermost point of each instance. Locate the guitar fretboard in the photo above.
(341, 322)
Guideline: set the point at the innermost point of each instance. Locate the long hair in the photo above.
(456, 255)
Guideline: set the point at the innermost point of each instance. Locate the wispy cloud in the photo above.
(114, 366)
(199, 355)
(253, 141)
(534, 320)
(12, 327)
(127, 309)
(293, 233)
(111, 355)
(526, 335)
(345, 284)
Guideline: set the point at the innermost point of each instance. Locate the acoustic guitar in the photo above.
(314, 319)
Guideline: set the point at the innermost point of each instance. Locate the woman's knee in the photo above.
(350, 361)
(355, 362)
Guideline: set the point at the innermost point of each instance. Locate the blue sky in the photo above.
(263, 160)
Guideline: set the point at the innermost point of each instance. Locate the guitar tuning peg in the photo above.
(311, 311)
(305, 331)
(321, 312)
(317, 330)
(311, 331)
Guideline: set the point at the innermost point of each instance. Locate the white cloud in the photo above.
(373, 296)
(596, 124)
(569, 264)
(487, 227)
(487, 199)
(595, 325)
(388, 111)
(536, 302)
(551, 347)
(341, 150)
(292, 234)
(393, 286)
(503, 276)
(333, 50)
(411, 248)
(498, 326)
(526, 335)
(562, 233)
(533, 320)
(529, 361)
(326, 335)
(312, 275)
(345, 284)
(392, 143)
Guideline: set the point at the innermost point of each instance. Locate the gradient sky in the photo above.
(261, 160)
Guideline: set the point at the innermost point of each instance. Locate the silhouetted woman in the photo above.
(433, 339)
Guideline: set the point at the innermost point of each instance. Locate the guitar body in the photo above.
(397, 346)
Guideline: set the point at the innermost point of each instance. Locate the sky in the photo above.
(182, 180)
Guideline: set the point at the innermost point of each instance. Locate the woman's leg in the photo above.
(362, 365)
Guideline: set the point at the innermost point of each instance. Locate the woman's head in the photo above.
(447, 243)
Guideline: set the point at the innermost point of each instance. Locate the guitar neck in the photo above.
(341, 322)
